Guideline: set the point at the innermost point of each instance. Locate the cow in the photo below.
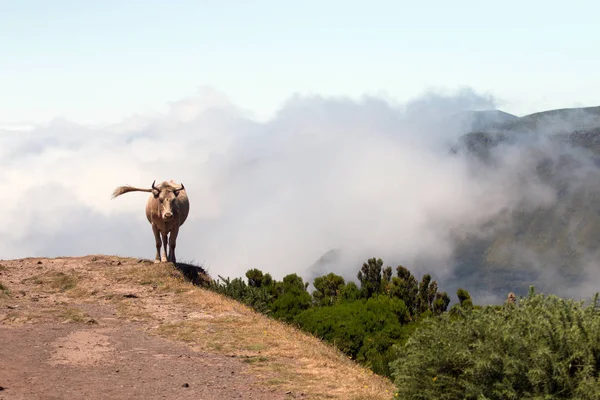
(167, 209)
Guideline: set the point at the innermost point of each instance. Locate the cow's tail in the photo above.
(126, 189)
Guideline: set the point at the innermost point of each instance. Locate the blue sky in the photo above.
(98, 62)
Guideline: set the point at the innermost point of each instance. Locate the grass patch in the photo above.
(255, 347)
(20, 317)
(275, 382)
(4, 290)
(130, 311)
(55, 281)
(76, 315)
(183, 331)
(162, 277)
(252, 360)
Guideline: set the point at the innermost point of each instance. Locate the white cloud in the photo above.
(364, 177)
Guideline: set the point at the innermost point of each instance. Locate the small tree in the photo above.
(293, 298)
(256, 278)
(349, 293)
(423, 298)
(386, 279)
(370, 277)
(440, 304)
(327, 289)
(405, 287)
(464, 298)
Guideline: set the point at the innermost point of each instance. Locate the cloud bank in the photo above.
(349, 179)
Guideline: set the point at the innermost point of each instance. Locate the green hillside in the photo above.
(555, 247)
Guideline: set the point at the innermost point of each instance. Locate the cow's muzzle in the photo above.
(168, 216)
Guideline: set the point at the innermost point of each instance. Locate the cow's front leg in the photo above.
(165, 241)
(158, 243)
(172, 244)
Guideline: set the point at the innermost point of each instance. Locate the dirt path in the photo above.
(115, 361)
(102, 327)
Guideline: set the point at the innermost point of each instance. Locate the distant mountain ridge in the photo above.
(583, 118)
(556, 248)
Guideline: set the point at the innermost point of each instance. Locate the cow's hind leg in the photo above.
(172, 244)
(165, 241)
(158, 243)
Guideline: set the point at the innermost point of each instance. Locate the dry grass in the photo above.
(75, 315)
(170, 306)
(133, 312)
(3, 290)
(158, 276)
(55, 281)
(23, 316)
(279, 354)
(64, 315)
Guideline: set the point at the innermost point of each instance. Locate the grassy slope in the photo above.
(166, 304)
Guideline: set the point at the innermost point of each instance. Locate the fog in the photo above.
(346, 178)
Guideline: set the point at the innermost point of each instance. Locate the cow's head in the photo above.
(166, 196)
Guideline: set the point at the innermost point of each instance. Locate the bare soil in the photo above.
(105, 327)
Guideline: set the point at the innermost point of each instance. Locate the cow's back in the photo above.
(152, 205)
(183, 206)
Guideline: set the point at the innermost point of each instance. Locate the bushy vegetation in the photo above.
(363, 329)
(544, 347)
(363, 321)
(540, 347)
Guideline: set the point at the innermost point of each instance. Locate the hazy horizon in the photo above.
(297, 130)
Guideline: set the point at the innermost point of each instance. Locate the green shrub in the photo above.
(327, 289)
(363, 329)
(544, 347)
(258, 298)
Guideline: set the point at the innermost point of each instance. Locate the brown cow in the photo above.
(166, 210)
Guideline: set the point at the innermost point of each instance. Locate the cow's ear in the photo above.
(155, 193)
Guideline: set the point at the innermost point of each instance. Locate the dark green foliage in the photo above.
(258, 298)
(405, 287)
(363, 329)
(370, 277)
(419, 297)
(363, 322)
(349, 293)
(386, 279)
(464, 298)
(292, 299)
(544, 347)
(423, 298)
(464, 303)
(440, 304)
(327, 289)
(257, 279)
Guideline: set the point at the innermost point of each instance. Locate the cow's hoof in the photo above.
(156, 261)
(163, 260)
